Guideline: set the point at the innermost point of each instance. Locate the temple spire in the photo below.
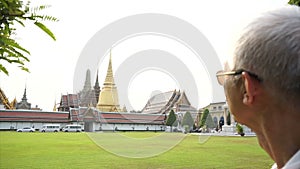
(109, 79)
(97, 82)
(24, 95)
(24, 104)
(108, 99)
(87, 96)
(97, 88)
(87, 83)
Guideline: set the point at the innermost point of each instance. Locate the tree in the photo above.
(171, 119)
(209, 122)
(187, 120)
(14, 11)
(294, 2)
(175, 123)
(240, 129)
(228, 118)
(203, 118)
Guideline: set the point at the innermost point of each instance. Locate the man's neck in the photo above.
(279, 134)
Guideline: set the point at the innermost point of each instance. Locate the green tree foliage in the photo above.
(203, 118)
(294, 2)
(187, 120)
(209, 122)
(175, 123)
(228, 118)
(240, 129)
(171, 119)
(14, 11)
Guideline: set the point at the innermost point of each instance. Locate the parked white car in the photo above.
(26, 129)
(50, 128)
(72, 128)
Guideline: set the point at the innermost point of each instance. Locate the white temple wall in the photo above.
(19, 125)
(131, 127)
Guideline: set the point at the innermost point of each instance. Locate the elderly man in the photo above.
(262, 85)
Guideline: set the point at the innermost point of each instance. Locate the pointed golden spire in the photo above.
(108, 98)
(109, 80)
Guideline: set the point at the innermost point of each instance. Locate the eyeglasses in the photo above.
(220, 75)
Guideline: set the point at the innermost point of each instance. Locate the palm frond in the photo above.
(40, 8)
(45, 29)
(20, 22)
(15, 53)
(49, 18)
(4, 3)
(13, 43)
(3, 69)
(24, 68)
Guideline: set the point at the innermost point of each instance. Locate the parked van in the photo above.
(50, 128)
(72, 128)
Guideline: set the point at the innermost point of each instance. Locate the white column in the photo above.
(225, 107)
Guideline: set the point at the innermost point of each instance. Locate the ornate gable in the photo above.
(4, 100)
(184, 100)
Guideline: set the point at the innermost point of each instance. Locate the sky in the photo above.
(53, 63)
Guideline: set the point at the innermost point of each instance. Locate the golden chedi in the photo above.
(108, 98)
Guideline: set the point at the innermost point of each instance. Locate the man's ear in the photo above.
(250, 85)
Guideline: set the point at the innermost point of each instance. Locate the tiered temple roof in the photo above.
(164, 102)
(68, 101)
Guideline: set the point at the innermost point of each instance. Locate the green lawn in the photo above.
(77, 150)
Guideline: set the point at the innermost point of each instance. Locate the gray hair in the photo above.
(270, 48)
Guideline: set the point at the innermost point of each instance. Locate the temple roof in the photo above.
(91, 114)
(68, 101)
(24, 104)
(4, 100)
(33, 116)
(162, 103)
(161, 98)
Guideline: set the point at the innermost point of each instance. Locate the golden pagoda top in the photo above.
(109, 80)
(108, 98)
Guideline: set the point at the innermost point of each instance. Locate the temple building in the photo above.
(68, 101)
(105, 100)
(177, 101)
(24, 104)
(88, 96)
(163, 103)
(109, 99)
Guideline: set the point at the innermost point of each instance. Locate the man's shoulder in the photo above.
(294, 162)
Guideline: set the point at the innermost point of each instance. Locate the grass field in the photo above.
(77, 150)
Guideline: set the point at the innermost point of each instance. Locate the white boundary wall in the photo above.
(19, 125)
(131, 127)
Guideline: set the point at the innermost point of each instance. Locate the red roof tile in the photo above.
(17, 115)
